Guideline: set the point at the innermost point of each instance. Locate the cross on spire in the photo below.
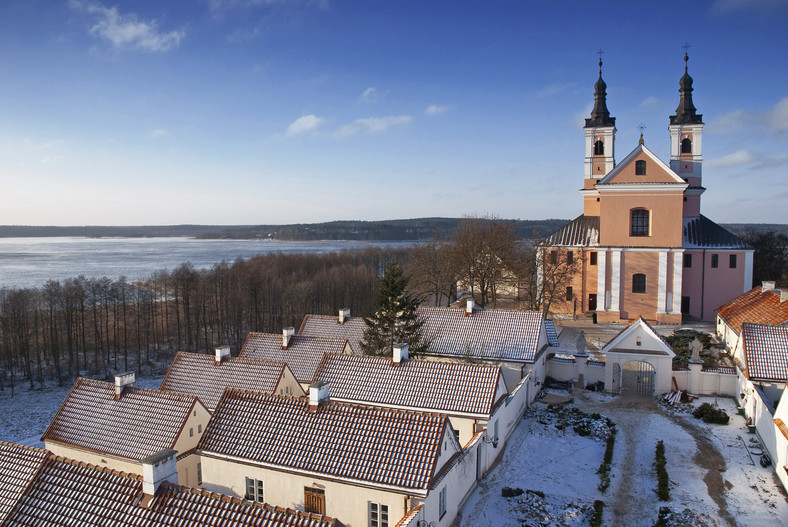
(600, 53)
(641, 127)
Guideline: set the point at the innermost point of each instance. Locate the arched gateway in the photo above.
(638, 361)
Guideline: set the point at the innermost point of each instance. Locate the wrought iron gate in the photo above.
(638, 378)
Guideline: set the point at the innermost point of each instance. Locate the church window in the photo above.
(553, 257)
(569, 293)
(640, 222)
(639, 283)
(715, 260)
(570, 258)
(687, 260)
(599, 148)
(593, 258)
(640, 168)
(686, 145)
(732, 261)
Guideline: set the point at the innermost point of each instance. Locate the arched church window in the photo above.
(599, 148)
(639, 283)
(639, 224)
(640, 168)
(686, 145)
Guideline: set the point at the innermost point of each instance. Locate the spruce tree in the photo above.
(395, 319)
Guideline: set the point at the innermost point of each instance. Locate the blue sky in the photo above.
(282, 111)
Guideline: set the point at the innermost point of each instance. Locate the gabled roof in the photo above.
(639, 325)
(581, 231)
(303, 354)
(357, 444)
(701, 233)
(18, 468)
(68, 492)
(765, 352)
(138, 424)
(664, 175)
(552, 336)
(199, 374)
(452, 388)
(488, 334)
(757, 306)
(327, 326)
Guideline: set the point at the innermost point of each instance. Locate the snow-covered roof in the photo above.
(18, 468)
(351, 329)
(552, 336)
(303, 354)
(199, 374)
(487, 334)
(366, 445)
(765, 352)
(620, 343)
(67, 492)
(135, 425)
(452, 388)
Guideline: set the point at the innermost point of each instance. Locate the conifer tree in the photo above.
(395, 319)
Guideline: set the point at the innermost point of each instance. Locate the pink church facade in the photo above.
(642, 246)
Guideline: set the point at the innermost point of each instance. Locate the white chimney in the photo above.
(783, 295)
(222, 354)
(318, 394)
(287, 334)
(400, 353)
(159, 467)
(344, 314)
(767, 286)
(122, 380)
(469, 306)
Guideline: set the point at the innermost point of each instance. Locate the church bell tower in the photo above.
(600, 131)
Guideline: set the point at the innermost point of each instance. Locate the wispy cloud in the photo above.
(771, 162)
(729, 6)
(370, 95)
(437, 109)
(649, 102)
(740, 157)
(127, 31)
(304, 124)
(217, 5)
(555, 89)
(774, 119)
(159, 133)
(372, 125)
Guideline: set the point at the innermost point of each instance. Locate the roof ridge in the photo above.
(84, 464)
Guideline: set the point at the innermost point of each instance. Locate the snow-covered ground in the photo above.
(713, 479)
(25, 416)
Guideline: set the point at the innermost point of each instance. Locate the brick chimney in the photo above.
(222, 354)
(318, 395)
(767, 286)
(344, 315)
(157, 468)
(122, 380)
(469, 307)
(400, 353)
(287, 335)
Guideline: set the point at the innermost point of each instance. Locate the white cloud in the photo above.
(555, 89)
(370, 95)
(159, 133)
(127, 31)
(436, 109)
(305, 123)
(774, 119)
(649, 101)
(740, 157)
(777, 117)
(372, 125)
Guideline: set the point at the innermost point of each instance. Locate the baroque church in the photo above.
(642, 246)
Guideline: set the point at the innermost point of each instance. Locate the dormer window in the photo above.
(640, 168)
(686, 145)
(599, 148)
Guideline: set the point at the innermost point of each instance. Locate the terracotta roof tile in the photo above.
(18, 467)
(138, 424)
(755, 306)
(488, 334)
(452, 388)
(303, 354)
(199, 375)
(378, 446)
(326, 326)
(765, 352)
(782, 427)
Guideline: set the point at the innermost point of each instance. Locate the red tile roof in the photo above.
(303, 354)
(73, 493)
(327, 326)
(765, 352)
(488, 334)
(755, 306)
(452, 388)
(198, 374)
(353, 443)
(138, 424)
(18, 467)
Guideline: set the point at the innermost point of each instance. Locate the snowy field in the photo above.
(25, 416)
(713, 479)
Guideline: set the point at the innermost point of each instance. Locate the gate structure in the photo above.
(638, 378)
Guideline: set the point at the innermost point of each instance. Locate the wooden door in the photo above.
(314, 500)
